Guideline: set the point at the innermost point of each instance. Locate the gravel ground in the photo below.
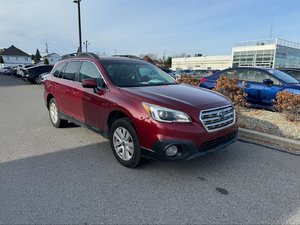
(269, 122)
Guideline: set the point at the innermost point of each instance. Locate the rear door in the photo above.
(69, 91)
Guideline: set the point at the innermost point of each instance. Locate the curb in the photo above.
(268, 140)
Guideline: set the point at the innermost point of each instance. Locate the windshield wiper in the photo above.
(159, 84)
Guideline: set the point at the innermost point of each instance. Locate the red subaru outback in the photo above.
(139, 108)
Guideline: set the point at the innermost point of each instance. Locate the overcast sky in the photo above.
(138, 27)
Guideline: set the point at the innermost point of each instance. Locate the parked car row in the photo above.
(32, 73)
(198, 72)
(261, 84)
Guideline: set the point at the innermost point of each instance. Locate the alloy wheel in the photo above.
(53, 113)
(123, 143)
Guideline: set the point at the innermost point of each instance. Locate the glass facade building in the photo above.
(271, 53)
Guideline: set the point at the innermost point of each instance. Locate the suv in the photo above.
(139, 108)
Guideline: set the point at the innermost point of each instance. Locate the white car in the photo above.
(21, 69)
(42, 77)
(4, 69)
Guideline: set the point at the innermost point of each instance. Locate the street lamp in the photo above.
(79, 24)
(86, 43)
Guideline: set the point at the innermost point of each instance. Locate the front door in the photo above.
(92, 100)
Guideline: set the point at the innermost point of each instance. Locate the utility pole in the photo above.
(79, 24)
(47, 49)
(164, 56)
(86, 43)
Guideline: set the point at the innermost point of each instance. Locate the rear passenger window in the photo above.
(58, 70)
(229, 74)
(70, 71)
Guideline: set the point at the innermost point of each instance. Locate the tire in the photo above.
(54, 115)
(124, 143)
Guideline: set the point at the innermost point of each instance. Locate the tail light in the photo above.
(203, 79)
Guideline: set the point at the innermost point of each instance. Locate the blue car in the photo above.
(262, 84)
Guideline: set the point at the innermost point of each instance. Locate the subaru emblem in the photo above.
(221, 114)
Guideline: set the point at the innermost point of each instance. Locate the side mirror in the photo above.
(89, 83)
(268, 82)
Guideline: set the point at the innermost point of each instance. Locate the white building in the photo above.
(13, 56)
(271, 53)
(52, 58)
(202, 62)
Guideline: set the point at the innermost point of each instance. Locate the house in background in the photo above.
(13, 56)
(52, 58)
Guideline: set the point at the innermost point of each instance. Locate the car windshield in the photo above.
(135, 74)
(283, 76)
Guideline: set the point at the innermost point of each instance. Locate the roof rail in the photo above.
(128, 56)
(80, 54)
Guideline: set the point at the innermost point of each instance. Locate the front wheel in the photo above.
(124, 143)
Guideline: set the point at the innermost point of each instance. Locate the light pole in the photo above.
(79, 24)
(86, 43)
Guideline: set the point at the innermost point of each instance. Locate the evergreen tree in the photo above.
(46, 61)
(37, 56)
(168, 62)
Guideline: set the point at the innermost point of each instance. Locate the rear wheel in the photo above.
(124, 143)
(54, 115)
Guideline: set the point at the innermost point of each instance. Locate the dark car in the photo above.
(293, 72)
(32, 73)
(262, 84)
(139, 108)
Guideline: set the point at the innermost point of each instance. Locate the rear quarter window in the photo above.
(58, 70)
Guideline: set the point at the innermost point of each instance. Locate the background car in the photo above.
(262, 84)
(32, 73)
(168, 71)
(293, 72)
(178, 73)
(42, 77)
(5, 70)
(21, 69)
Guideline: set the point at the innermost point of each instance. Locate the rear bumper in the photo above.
(186, 149)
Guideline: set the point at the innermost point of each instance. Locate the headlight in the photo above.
(166, 115)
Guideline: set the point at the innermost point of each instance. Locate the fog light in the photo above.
(172, 151)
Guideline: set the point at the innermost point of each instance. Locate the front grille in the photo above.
(217, 118)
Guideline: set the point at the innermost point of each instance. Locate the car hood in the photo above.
(179, 95)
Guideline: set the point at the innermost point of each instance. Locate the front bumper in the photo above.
(186, 149)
